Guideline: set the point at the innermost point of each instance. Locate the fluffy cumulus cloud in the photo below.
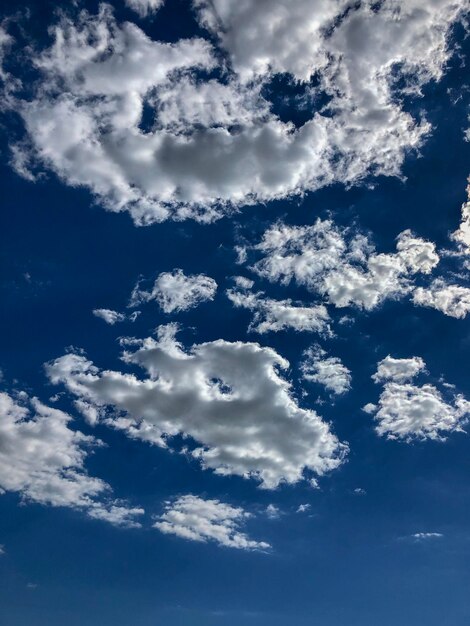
(398, 370)
(408, 411)
(450, 299)
(274, 315)
(144, 7)
(196, 519)
(342, 266)
(208, 395)
(175, 291)
(213, 142)
(329, 371)
(42, 459)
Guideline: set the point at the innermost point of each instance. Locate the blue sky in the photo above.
(225, 470)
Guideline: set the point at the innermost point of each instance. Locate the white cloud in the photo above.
(215, 145)
(275, 315)
(42, 459)
(358, 491)
(452, 300)
(144, 7)
(462, 234)
(426, 536)
(109, 316)
(398, 370)
(330, 372)
(207, 394)
(175, 291)
(2, 549)
(407, 411)
(341, 266)
(196, 519)
(303, 508)
(273, 511)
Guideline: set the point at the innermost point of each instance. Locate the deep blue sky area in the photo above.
(350, 560)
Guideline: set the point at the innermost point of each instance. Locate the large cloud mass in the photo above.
(212, 141)
(229, 398)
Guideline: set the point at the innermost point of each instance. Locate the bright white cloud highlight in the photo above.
(340, 265)
(229, 398)
(452, 300)
(42, 459)
(398, 370)
(407, 411)
(196, 519)
(175, 291)
(325, 370)
(214, 145)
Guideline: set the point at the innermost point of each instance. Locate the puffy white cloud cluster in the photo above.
(228, 398)
(325, 370)
(196, 519)
(42, 459)
(452, 300)
(144, 7)
(398, 370)
(275, 315)
(214, 144)
(342, 267)
(175, 291)
(407, 411)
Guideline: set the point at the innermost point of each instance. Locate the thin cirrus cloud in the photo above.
(196, 519)
(409, 411)
(176, 291)
(207, 393)
(43, 460)
(214, 144)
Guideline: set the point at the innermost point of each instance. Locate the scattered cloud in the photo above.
(462, 234)
(144, 8)
(175, 291)
(42, 459)
(452, 300)
(398, 370)
(113, 317)
(273, 511)
(426, 536)
(303, 508)
(207, 394)
(341, 265)
(406, 411)
(196, 519)
(325, 370)
(276, 315)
